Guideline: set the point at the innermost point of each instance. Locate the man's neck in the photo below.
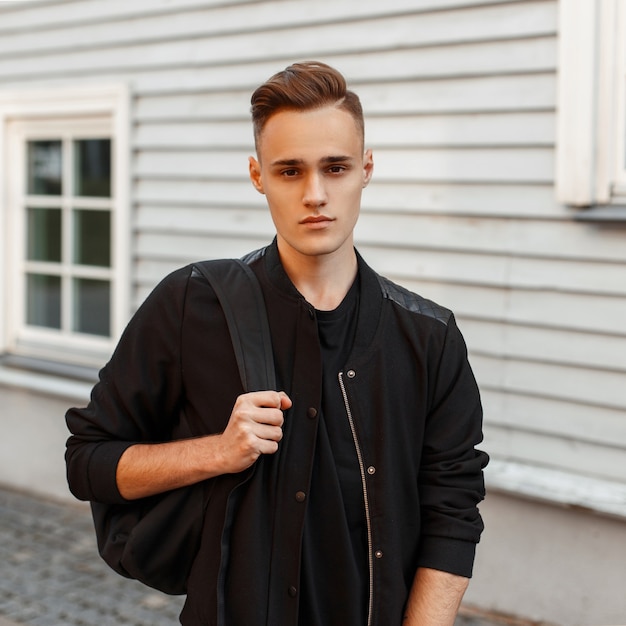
(323, 280)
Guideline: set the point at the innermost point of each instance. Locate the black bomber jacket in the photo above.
(412, 402)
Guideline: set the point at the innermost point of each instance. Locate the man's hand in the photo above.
(254, 428)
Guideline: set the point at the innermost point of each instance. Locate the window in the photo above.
(66, 213)
(591, 143)
(66, 270)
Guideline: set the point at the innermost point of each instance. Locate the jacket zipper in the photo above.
(368, 521)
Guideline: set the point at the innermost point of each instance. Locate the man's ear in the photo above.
(368, 167)
(255, 174)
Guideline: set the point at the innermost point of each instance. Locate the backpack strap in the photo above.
(241, 299)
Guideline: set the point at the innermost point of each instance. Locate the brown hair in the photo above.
(301, 87)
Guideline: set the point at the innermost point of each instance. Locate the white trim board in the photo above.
(557, 487)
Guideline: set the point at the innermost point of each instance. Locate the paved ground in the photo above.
(51, 574)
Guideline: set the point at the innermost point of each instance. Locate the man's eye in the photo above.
(289, 173)
(337, 169)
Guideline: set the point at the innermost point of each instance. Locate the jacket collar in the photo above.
(370, 302)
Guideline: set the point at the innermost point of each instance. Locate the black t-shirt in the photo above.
(334, 579)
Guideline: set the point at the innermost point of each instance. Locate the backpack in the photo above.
(155, 540)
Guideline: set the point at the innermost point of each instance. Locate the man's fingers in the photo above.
(269, 399)
(266, 415)
(285, 401)
(263, 407)
(269, 433)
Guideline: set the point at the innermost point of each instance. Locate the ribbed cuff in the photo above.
(448, 555)
(102, 471)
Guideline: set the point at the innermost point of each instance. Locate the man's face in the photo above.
(312, 170)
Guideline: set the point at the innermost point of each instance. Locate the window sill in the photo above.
(557, 487)
(605, 213)
(47, 378)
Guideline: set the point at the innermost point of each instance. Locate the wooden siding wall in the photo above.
(460, 98)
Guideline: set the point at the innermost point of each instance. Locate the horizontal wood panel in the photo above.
(534, 165)
(406, 63)
(302, 42)
(602, 314)
(603, 388)
(470, 130)
(507, 340)
(547, 239)
(225, 134)
(199, 221)
(556, 452)
(234, 105)
(50, 15)
(572, 490)
(505, 271)
(188, 248)
(490, 93)
(470, 59)
(221, 33)
(565, 311)
(485, 200)
(206, 192)
(161, 251)
(192, 163)
(558, 418)
(46, 15)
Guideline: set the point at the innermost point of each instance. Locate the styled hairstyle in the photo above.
(301, 87)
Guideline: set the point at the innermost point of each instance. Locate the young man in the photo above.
(362, 507)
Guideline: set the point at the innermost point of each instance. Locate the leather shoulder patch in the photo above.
(412, 301)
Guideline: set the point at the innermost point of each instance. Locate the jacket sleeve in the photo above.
(451, 471)
(137, 397)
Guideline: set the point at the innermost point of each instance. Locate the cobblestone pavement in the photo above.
(51, 574)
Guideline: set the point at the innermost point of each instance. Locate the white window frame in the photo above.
(619, 188)
(591, 140)
(106, 108)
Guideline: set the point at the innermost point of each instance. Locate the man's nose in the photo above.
(314, 191)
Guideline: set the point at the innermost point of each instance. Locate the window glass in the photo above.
(92, 302)
(92, 167)
(44, 168)
(43, 300)
(87, 293)
(43, 232)
(92, 237)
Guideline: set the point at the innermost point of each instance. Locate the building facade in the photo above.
(499, 191)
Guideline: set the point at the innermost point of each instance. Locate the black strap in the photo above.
(241, 299)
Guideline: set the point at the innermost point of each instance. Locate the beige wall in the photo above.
(32, 445)
(548, 563)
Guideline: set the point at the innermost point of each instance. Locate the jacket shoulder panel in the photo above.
(251, 257)
(412, 301)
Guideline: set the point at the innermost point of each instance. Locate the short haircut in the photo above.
(303, 87)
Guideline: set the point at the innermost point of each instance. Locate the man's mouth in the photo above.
(316, 219)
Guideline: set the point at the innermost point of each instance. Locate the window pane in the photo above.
(43, 300)
(44, 168)
(43, 233)
(92, 299)
(92, 167)
(92, 238)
